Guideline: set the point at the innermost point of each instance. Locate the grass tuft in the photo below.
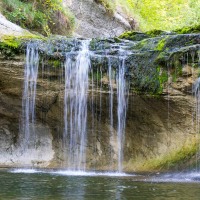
(44, 16)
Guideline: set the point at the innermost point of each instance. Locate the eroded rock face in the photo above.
(154, 127)
(93, 20)
(160, 130)
(12, 145)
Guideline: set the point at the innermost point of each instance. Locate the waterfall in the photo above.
(122, 101)
(75, 106)
(77, 68)
(122, 91)
(110, 75)
(29, 92)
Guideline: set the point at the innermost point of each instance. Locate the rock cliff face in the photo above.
(160, 130)
(8, 28)
(92, 19)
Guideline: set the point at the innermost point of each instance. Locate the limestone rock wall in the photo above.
(92, 20)
(155, 126)
(162, 117)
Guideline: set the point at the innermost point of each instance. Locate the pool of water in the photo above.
(35, 184)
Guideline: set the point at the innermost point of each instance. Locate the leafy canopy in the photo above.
(161, 14)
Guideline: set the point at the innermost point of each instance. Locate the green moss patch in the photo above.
(12, 45)
(177, 158)
(155, 33)
(161, 44)
(10, 41)
(133, 35)
(189, 29)
(9, 46)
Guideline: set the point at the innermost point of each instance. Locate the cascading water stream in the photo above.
(110, 75)
(122, 102)
(29, 93)
(75, 106)
(122, 91)
(77, 69)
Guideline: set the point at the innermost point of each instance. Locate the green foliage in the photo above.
(10, 41)
(44, 16)
(10, 45)
(168, 14)
(163, 15)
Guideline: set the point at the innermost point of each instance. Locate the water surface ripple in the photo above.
(48, 184)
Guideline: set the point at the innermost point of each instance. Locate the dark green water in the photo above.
(50, 186)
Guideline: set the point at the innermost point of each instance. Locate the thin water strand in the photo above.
(29, 92)
(122, 94)
(75, 106)
(110, 76)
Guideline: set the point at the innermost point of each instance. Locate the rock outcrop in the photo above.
(160, 125)
(92, 19)
(8, 28)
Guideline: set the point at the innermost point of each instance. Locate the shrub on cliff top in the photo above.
(44, 16)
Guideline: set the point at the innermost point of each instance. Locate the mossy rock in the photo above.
(137, 36)
(156, 33)
(188, 30)
(175, 159)
(161, 44)
(133, 35)
(12, 45)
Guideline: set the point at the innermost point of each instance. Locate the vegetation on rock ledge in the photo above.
(11, 45)
(44, 16)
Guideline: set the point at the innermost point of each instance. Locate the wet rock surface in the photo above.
(155, 126)
(148, 61)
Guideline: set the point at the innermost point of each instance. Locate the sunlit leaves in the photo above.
(165, 14)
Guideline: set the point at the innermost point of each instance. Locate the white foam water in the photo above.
(71, 173)
(75, 106)
(25, 171)
(85, 173)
